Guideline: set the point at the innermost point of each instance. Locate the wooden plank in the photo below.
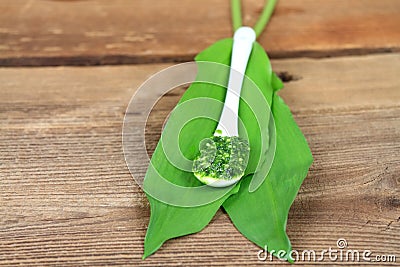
(120, 31)
(67, 198)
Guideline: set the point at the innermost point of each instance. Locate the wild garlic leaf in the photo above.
(276, 82)
(168, 221)
(261, 216)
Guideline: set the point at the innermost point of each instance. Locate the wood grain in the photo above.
(54, 32)
(67, 198)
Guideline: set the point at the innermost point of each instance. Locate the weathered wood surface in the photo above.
(82, 32)
(67, 198)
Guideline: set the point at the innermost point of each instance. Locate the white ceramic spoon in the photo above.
(243, 40)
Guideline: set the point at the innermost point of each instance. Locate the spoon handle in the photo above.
(243, 40)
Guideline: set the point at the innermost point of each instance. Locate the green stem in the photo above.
(265, 16)
(236, 14)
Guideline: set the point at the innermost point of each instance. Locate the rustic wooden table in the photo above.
(66, 195)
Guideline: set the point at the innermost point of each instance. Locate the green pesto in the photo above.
(222, 157)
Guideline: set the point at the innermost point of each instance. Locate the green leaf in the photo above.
(261, 216)
(168, 221)
(276, 82)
